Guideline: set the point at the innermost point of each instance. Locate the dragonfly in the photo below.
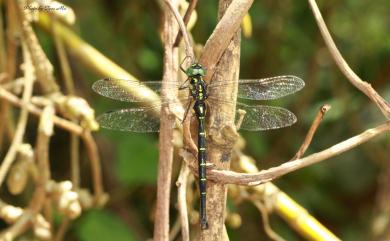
(196, 92)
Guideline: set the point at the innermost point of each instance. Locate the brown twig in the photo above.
(13, 32)
(295, 215)
(183, 29)
(21, 126)
(182, 200)
(265, 217)
(363, 86)
(313, 128)
(186, 19)
(276, 172)
(174, 230)
(2, 43)
(45, 131)
(60, 122)
(43, 67)
(93, 156)
(6, 118)
(167, 120)
(63, 227)
(189, 143)
(223, 33)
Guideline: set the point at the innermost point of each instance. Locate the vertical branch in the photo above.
(182, 200)
(2, 42)
(220, 38)
(21, 126)
(6, 118)
(93, 155)
(161, 226)
(220, 144)
(11, 41)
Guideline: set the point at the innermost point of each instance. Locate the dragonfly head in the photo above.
(196, 70)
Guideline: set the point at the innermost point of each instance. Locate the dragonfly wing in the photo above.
(269, 88)
(130, 90)
(140, 119)
(262, 117)
(133, 119)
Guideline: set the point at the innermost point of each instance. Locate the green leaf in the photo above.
(136, 160)
(255, 143)
(100, 225)
(148, 59)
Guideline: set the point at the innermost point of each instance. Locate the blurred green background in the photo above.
(342, 192)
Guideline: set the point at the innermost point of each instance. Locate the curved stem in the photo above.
(276, 172)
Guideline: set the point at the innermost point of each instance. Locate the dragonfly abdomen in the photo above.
(200, 110)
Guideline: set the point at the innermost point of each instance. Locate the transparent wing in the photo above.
(256, 89)
(134, 120)
(269, 88)
(139, 119)
(129, 90)
(265, 89)
(261, 117)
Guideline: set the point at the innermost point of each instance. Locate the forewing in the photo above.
(129, 90)
(269, 88)
(261, 117)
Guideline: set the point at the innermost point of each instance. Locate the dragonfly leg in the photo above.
(189, 106)
(184, 85)
(181, 65)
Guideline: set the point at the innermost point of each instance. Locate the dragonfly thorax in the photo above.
(198, 88)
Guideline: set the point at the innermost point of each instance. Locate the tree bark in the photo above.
(222, 115)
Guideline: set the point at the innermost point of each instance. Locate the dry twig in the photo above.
(45, 131)
(93, 155)
(363, 86)
(267, 227)
(223, 33)
(296, 216)
(60, 122)
(21, 126)
(167, 120)
(186, 19)
(182, 200)
(276, 172)
(183, 29)
(313, 128)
